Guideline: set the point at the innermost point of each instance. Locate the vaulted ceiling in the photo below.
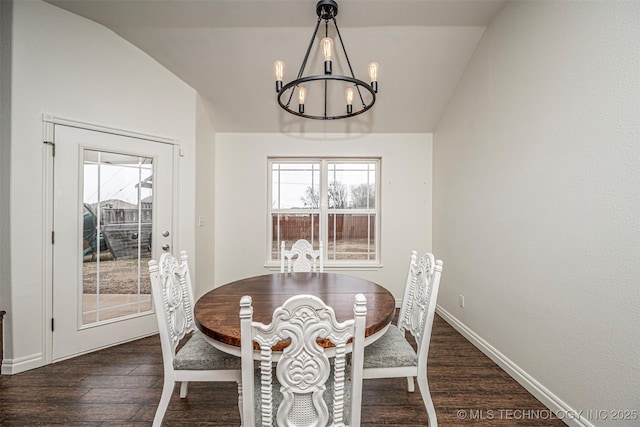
(225, 49)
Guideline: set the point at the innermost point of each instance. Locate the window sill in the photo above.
(334, 267)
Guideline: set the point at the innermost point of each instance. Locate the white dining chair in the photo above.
(392, 356)
(197, 360)
(294, 392)
(301, 257)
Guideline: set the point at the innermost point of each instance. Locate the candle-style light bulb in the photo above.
(278, 70)
(348, 94)
(302, 95)
(373, 75)
(327, 48)
(326, 45)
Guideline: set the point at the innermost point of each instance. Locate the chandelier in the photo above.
(324, 88)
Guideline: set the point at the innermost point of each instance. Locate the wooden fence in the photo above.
(293, 227)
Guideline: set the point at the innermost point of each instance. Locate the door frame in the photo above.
(48, 148)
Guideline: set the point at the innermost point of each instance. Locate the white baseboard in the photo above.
(567, 414)
(36, 360)
(21, 364)
(89, 351)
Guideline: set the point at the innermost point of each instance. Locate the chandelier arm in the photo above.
(325, 98)
(361, 97)
(306, 55)
(344, 49)
(326, 34)
(289, 100)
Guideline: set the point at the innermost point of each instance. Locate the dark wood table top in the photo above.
(217, 312)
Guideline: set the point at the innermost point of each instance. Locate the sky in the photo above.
(294, 179)
(116, 182)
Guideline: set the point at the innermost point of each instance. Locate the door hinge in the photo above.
(53, 147)
(53, 237)
(52, 324)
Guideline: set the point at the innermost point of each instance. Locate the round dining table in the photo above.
(217, 315)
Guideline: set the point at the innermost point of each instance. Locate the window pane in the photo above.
(116, 235)
(295, 185)
(351, 237)
(291, 227)
(352, 186)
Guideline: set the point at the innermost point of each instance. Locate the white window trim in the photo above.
(324, 212)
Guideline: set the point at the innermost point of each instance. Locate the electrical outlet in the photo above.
(461, 300)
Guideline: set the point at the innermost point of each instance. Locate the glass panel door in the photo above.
(112, 212)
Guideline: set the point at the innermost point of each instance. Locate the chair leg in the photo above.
(184, 389)
(167, 391)
(410, 387)
(426, 398)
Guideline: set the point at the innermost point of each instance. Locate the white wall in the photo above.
(5, 156)
(205, 202)
(241, 198)
(537, 200)
(74, 68)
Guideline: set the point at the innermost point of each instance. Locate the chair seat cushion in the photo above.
(198, 354)
(299, 409)
(390, 350)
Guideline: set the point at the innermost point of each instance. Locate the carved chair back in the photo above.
(419, 301)
(303, 372)
(173, 300)
(302, 257)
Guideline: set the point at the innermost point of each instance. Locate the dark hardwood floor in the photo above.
(121, 386)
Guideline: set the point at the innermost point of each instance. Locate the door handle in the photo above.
(165, 247)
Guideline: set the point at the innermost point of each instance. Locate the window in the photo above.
(335, 201)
